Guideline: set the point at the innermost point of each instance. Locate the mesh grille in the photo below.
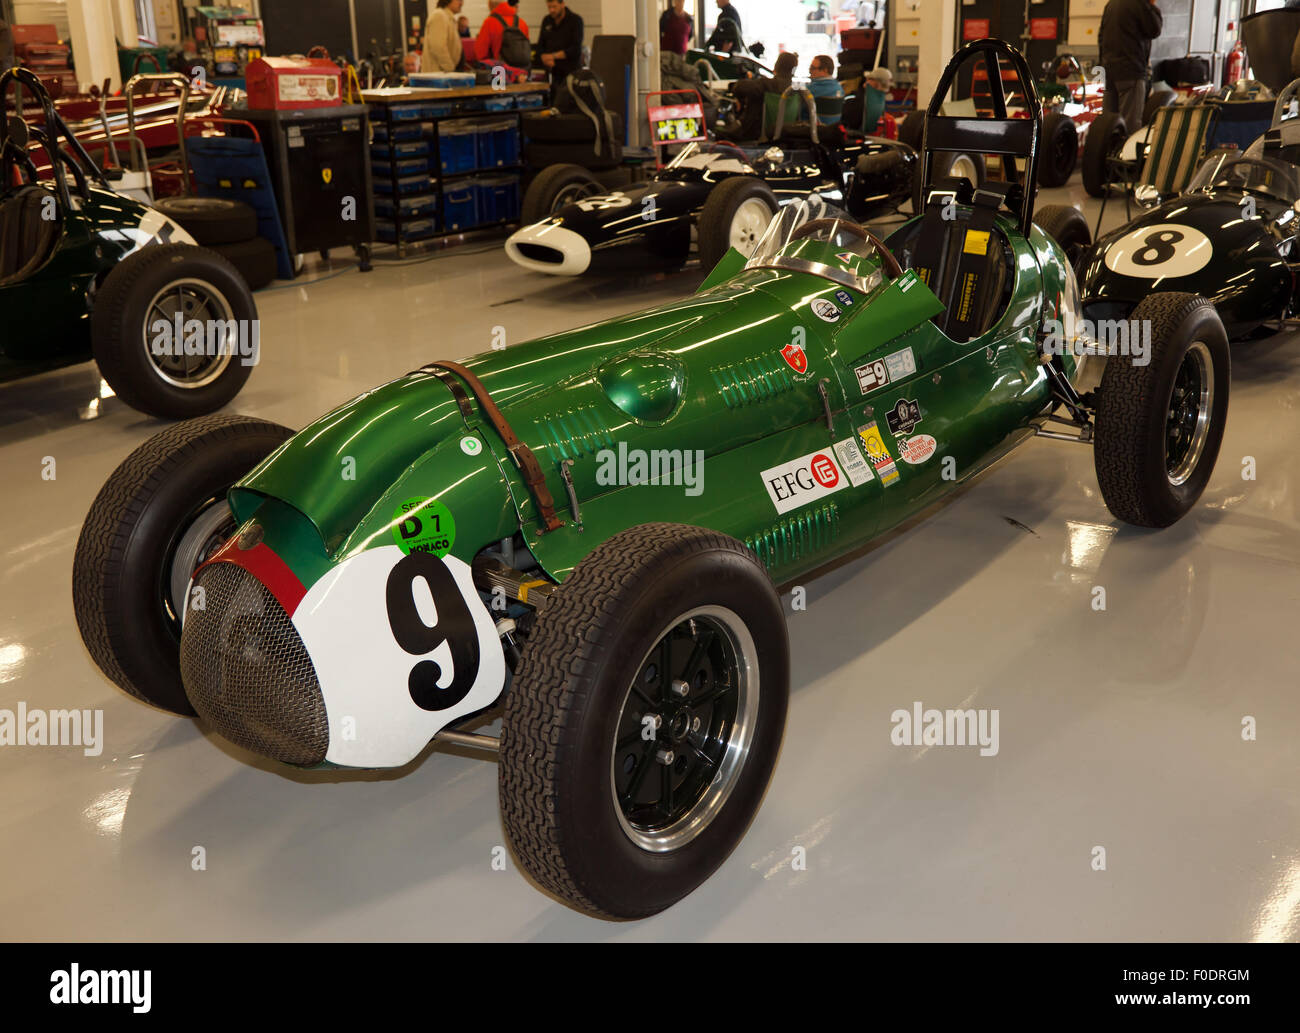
(247, 672)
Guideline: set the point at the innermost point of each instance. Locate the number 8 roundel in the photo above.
(1159, 251)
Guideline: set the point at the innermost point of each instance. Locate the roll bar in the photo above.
(1002, 134)
(75, 159)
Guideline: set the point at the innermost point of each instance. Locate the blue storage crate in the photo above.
(441, 80)
(406, 185)
(441, 109)
(498, 143)
(415, 229)
(401, 131)
(405, 167)
(528, 101)
(460, 207)
(409, 206)
(407, 112)
(386, 151)
(457, 149)
(500, 102)
(497, 197)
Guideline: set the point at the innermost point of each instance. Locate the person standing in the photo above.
(726, 34)
(442, 46)
(492, 43)
(1127, 29)
(559, 45)
(676, 28)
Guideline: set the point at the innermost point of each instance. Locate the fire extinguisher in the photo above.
(1236, 64)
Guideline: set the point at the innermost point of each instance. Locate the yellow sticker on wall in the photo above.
(977, 242)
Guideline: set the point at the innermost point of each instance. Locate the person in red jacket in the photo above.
(488, 46)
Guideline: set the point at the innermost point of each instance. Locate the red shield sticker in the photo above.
(795, 357)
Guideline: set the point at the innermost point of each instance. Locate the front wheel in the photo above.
(175, 331)
(1160, 422)
(645, 718)
(1105, 139)
(1066, 225)
(554, 188)
(1060, 151)
(160, 515)
(736, 214)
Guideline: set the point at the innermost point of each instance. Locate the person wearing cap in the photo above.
(881, 79)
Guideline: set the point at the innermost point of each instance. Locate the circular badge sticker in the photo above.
(424, 525)
(825, 310)
(471, 446)
(917, 450)
(1155, 252)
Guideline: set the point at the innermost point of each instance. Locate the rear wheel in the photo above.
(1159, 99)
(1106, 136)
(1067, 226)
(1060, 151)
(1160, 425)
(645, 719)
(151, 364)
(211, 220)
(555, 187)
(736, 214)
(160, 515)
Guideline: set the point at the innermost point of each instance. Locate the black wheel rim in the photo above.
(685, 728)
(177, 358)
(570, 194)
(1187, 424)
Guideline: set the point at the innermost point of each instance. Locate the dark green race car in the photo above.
(588, 530)
(87, 273)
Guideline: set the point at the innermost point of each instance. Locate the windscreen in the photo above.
(815, 237)
(1231, 169)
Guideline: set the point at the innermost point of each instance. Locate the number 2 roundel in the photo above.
(1159, 251)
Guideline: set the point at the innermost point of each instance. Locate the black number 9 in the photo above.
(455, 626)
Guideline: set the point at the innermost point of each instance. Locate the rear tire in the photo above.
(1159, 426)
(158, 516)
(579, 742)
(1106, 136)
(732, 217)
(1060, 153)
(1067, 226)
(124, 330)
(255, 259)
(211, 220)
(553, 188)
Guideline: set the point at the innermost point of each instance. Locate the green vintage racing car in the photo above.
(487, 537)
(86, 272)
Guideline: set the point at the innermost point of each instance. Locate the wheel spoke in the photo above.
(644, 698)
(702, 643)
(665, 672)
(719, 689)
(631, 739)
(638, 776)
(702, 757)
(666, 791)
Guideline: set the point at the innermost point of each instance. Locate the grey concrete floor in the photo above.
(1119, 729)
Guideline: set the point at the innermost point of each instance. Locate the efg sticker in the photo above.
(424, 525)
(903, 417)
(803, 480)
(825, 310)
(850, 457)
(917, 450)
(977, 242)
(878, 453)
(844, 298)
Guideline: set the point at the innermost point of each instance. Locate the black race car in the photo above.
(1229, 237)
(718, 195)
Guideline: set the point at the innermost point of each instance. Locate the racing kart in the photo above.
(587, 532)
(1229, 237)
(86, 272)
(713, 195)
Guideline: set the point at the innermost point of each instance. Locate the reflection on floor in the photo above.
(1119, 729)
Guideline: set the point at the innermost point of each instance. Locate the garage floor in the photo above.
(1119, 729)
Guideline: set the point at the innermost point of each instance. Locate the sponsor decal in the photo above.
(907, 281)
(850, 457)
(878, 452)
(976, 243)
(825, 310)
(795, 357)
(1159, 251)
(844, 298)
(804, 480)
(471, 445)
(903, 417)
(424, 525)
(845, 256)
(917, 450)
(879, 372)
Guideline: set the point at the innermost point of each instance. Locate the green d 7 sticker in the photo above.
(424, 525)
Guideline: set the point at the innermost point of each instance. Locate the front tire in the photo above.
(1106, 136)
(133, 331)
(1060, 150)
(1066, 225)
(736, 214)
(645, 719)
(159, 516)
(1159, 426)
(555, 187)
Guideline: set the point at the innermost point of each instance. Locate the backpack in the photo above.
(515, 48)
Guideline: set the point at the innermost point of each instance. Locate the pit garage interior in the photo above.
(1138, 781)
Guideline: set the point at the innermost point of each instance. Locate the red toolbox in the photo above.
(283, 84)
(35, 34)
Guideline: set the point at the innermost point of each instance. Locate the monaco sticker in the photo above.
(827, 311)
(878, 453)
(915, 451)
(804, 480)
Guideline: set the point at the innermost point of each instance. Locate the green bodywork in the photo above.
(705, 374)
(46, 314)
